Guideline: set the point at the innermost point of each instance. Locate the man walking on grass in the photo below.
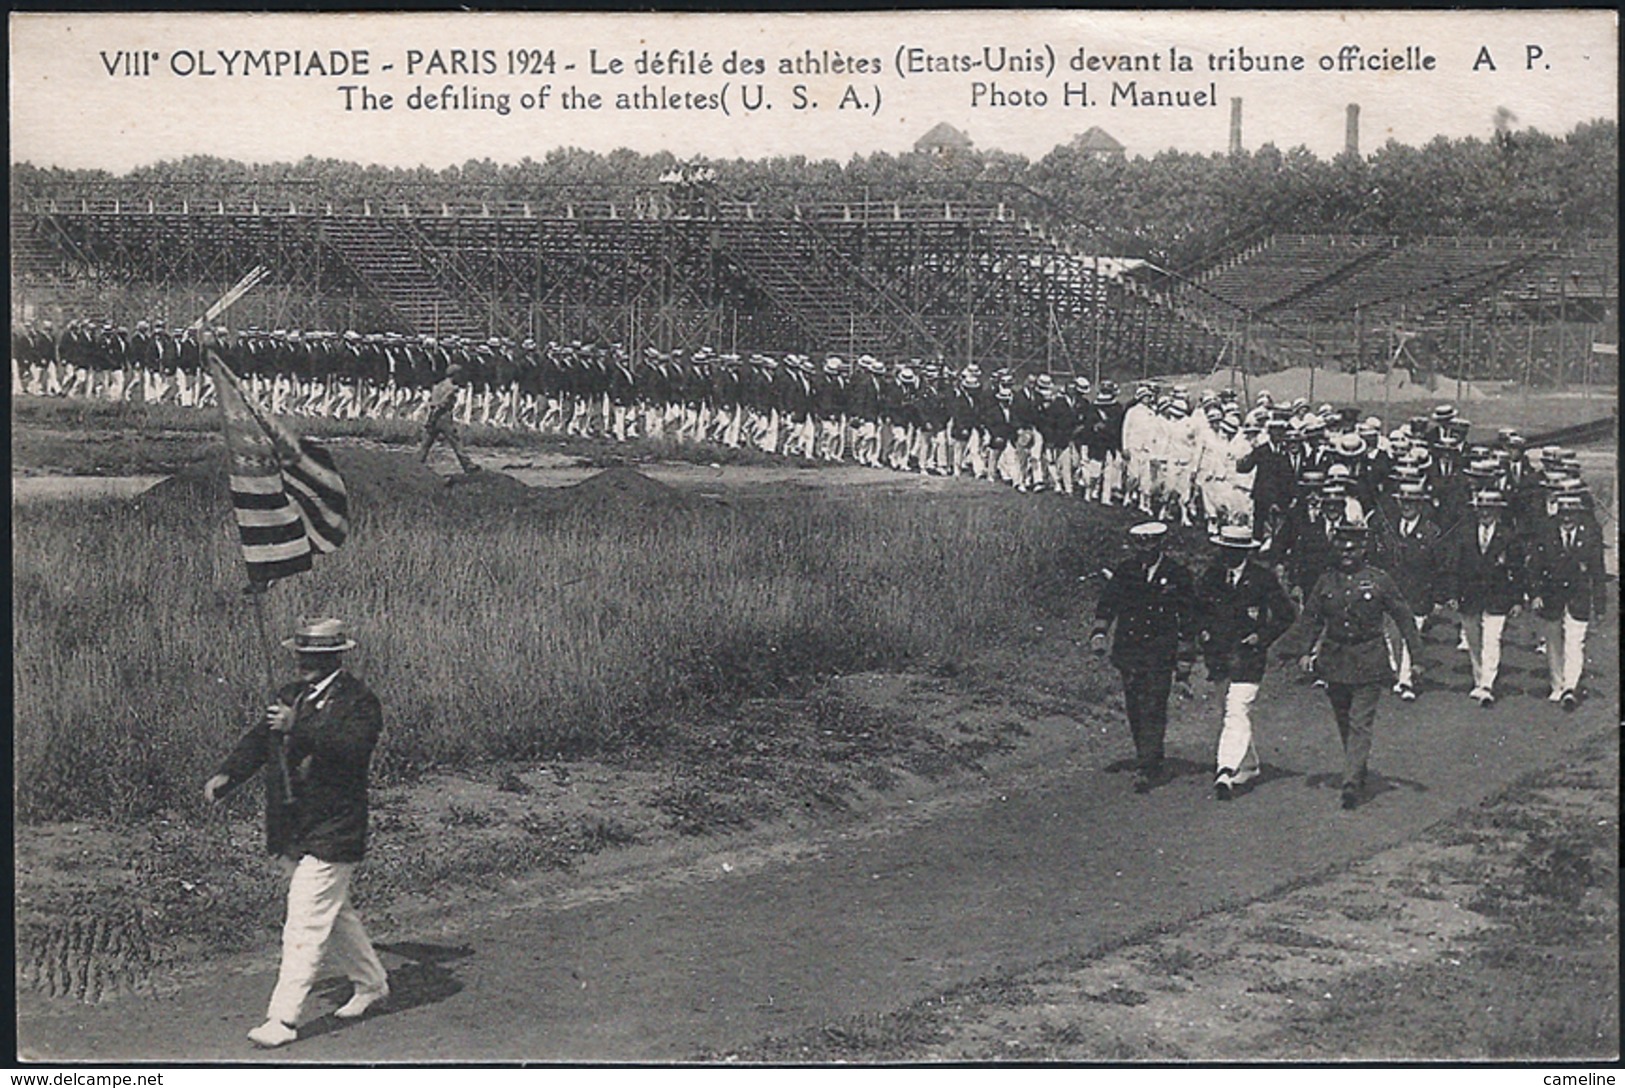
(441, 422)
(315, 745)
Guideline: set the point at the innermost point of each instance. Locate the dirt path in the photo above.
(760, 940)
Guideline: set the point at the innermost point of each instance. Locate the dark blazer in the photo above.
(1226, 615)
(1106, 431)
(1057, 418)
(964, 413)
(1153, 616)
(999, 421)
(1304, 547)
(329, 751)
(1491, 581)
(1413, 562)
(1568, 579)
(1273, 480)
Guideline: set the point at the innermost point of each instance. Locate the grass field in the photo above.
(502, 628)
(499, 627)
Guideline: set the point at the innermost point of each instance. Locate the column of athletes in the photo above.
(1470, 529)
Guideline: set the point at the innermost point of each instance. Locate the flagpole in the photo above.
(333, 529)
(256, 591)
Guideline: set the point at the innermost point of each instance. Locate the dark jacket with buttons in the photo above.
(329, 752)
(1413, 561)
(1343, 616)
(1568, 579)
(1227, 615)
(1485, 581)
(1152, 615)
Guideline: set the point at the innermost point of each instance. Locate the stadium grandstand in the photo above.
(1079, 263)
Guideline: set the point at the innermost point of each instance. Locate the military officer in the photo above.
(1149, 598)
(1343, 618)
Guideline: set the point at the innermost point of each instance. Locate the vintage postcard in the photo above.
(1009, 536)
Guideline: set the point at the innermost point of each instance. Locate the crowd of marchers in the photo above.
(1288, 473)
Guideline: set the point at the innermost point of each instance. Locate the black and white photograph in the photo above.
(995, 538)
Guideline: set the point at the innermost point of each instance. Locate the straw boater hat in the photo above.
(1490, 499)
(1235, 536)
(324, 636)
(1148, 530)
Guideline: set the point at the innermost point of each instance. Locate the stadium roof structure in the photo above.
(1097, 141)
(943, 137)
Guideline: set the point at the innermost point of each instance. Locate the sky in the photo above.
(116, 91)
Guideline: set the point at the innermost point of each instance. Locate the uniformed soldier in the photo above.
(1241, 609)
(1149, 598)
(1343, 620)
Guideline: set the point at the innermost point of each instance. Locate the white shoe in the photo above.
(273, 1033)
(1556, 696)
(360, 1002)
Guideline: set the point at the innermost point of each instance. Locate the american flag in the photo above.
(286, 492)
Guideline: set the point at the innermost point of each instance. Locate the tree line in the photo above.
(1180, 210)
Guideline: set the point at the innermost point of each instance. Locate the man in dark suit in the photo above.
(1149, 598)
(1103, 447)
(1240, 610)
(1274, 480)
(1486, 566)
(1303, 543)
(1056, 423)
(1343, 619)
(315, 746)
(1568, 588)
(1408, 547)
(999, 424)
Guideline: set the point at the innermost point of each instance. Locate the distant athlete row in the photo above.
(1468, 529)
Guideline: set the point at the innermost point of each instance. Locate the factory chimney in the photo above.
(1235, 126)
(1351, 131)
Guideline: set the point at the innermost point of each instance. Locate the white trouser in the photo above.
(1483, 631)
(1565, 651)
(1399, 653)
(1236, 738)
(321, 922)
